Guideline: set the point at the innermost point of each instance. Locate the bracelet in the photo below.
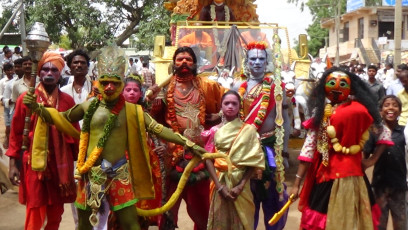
(297, 176)
(220, 188)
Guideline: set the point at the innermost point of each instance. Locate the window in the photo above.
(346, 32)
(361, 28)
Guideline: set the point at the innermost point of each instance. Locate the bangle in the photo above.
(297, 176)
(220, 188)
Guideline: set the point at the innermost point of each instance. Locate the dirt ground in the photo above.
(12, 213)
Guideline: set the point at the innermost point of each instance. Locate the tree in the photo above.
(91, 24)
(157, 24)
(7, 13)
(322, 9)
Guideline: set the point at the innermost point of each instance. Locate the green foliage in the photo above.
(317, 36)
(7, 13)
(92, 24)
(65, 43)
(158, 24)
(82, 22)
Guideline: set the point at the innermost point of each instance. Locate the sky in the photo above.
(285, 14)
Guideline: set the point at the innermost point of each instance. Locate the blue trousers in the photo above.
(269, 199)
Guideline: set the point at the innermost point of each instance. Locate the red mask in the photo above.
(338, 86)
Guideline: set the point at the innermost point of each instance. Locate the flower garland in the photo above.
(265, 92)
(214, 16)
(171, 111)
(172, 116)
(82, 165)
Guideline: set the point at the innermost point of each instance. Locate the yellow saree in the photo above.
(245, 152)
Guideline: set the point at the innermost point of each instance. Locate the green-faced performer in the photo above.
(111, 128)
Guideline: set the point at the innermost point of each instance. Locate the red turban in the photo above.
(54, 58)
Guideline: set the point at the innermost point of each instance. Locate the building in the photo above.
(366, 35)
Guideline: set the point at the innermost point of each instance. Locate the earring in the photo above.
(221, 114)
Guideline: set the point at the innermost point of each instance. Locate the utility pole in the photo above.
(397, 32)
(22, 29)
(337, 28)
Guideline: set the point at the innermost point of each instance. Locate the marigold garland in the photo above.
(82, 165)
(265, 92)
(171, 114)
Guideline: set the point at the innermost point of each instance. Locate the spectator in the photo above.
(20, 86)
(396, 85)
(16, 54)
(403, 96)
(389, 75)
(389, 176)
(148, 77)
(376, 88)
(9, 72)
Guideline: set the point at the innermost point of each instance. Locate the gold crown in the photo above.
(112, 62)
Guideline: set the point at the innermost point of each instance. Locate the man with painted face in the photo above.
(193, 104)
(334, 194)
(111, 128)
(46, 179)
(261, 110)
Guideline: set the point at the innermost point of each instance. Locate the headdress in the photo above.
(112, 62)
(136, 77)
(257, 45)
(54, 58)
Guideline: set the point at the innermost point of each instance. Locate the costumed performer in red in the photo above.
(335, 194)
(47, 180)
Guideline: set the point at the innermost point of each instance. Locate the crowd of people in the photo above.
(101, 143)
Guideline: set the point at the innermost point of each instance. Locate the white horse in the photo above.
(306, 78)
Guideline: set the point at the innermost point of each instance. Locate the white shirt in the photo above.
(78, 97)
(8, 89)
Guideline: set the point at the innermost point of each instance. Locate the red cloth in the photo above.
(197, 198)
(350, 120)
(35, 217)
(43, 188)
(271, 104)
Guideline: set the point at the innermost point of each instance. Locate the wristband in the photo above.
(297, 176)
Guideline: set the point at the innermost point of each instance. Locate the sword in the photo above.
(279, 214)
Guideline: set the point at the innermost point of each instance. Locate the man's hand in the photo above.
(160, 151)
(14, 173)
(154, 91)
(30, 100)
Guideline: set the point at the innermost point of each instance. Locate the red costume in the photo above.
(44, 193)
(350, 120)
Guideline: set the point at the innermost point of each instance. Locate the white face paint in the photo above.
(257, 62)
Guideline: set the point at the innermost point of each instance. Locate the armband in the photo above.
(67, 114)
(154, 127)
(187, 142)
